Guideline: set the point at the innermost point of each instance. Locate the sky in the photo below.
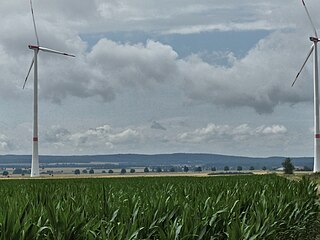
(205, 76)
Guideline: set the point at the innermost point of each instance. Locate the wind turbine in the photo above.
(34, 64)
(314, 49)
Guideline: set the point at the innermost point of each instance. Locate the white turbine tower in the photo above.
(314, 48)
(34, 63)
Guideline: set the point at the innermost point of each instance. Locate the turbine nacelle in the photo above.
(314, 39)
(33, 47)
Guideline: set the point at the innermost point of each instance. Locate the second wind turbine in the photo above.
(34, 63)
(314, 49)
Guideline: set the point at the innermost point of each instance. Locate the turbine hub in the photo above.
(314, 39)
(33, 47)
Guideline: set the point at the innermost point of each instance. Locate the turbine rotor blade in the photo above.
(25, 81)
(34, 23)
(312, 24)
(309, 54)
(55, 51)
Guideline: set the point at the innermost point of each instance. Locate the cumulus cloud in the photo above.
(56, 134)
(107, 69)
(102, 137)
(213, 132)
(261, 80)
(5, 144)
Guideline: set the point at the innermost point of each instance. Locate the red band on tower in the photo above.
(35, 139)
(317, 135)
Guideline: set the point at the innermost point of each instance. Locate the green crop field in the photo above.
(232, 207)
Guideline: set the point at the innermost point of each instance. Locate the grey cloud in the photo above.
(158, 126)
(56, 134)
(261, 80)
(5, 144)
(108, 69)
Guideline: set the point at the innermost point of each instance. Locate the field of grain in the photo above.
(222, 207)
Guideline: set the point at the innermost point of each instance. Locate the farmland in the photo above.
(223, 207)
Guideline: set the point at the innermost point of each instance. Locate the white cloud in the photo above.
(261, 80)
(102, 138)
(5, 144)
(245, 26)
(240, 133)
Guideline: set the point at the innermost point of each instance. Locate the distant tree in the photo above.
(213, 169)
(132, 170)
(287, 166)
(146, 169)
(17, 171)
(306, 168)
(239, 168)
(103, 171)
(91, 171)
(251, 168)
(5, 173)
(172, 169)
(84, 171)
(226, 168)
(158, 169)
(77, 171)
(264, 168)
(123, 170)
(197, 169)
(185, 169)
(110, 171)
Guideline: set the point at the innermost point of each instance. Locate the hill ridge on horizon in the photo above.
(142, 160)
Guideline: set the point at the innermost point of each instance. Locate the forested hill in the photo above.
(192, 159)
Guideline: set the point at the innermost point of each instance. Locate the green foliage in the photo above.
(85, 171)
(197, 169)
(251, 168)
(146, 169)
(306, 168)
(185, 169)
(239, 168)
(287, 166)
(226, 168)
(132, 170)
(20, 171)
(234, 207)
(110, 171)
(91, 171)
(77, 171)
(123, 171)
(5, 173)
(264, 168)
(213, 169)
